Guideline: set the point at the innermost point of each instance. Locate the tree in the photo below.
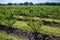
(30, 3)
(9, 4)
(21, 4)
(26, 3)
(0, 3)
(15, 4)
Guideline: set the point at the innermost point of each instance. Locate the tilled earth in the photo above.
(51, 23)
(27, 34)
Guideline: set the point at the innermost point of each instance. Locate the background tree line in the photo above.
(31, 3)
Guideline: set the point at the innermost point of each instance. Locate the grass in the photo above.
(22, 25)
(43, 29)
(5, 36)
(50, 30)
(50, 20)
(37, 18)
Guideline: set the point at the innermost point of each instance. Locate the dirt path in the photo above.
(27, 34)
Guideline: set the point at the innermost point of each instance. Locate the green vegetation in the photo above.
(31, 18)
(5, 36)
(35, 27)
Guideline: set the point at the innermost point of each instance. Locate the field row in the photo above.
(32, 11)
(33, 26)
(5, 36)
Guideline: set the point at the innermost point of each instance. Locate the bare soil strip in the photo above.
(51, 23)
(27, 34)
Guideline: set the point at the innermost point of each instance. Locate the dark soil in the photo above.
(51, 23)
(27, 34)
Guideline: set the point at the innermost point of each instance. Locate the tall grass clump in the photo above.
(35, 26)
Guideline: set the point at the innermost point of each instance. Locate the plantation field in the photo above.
(30, 18)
